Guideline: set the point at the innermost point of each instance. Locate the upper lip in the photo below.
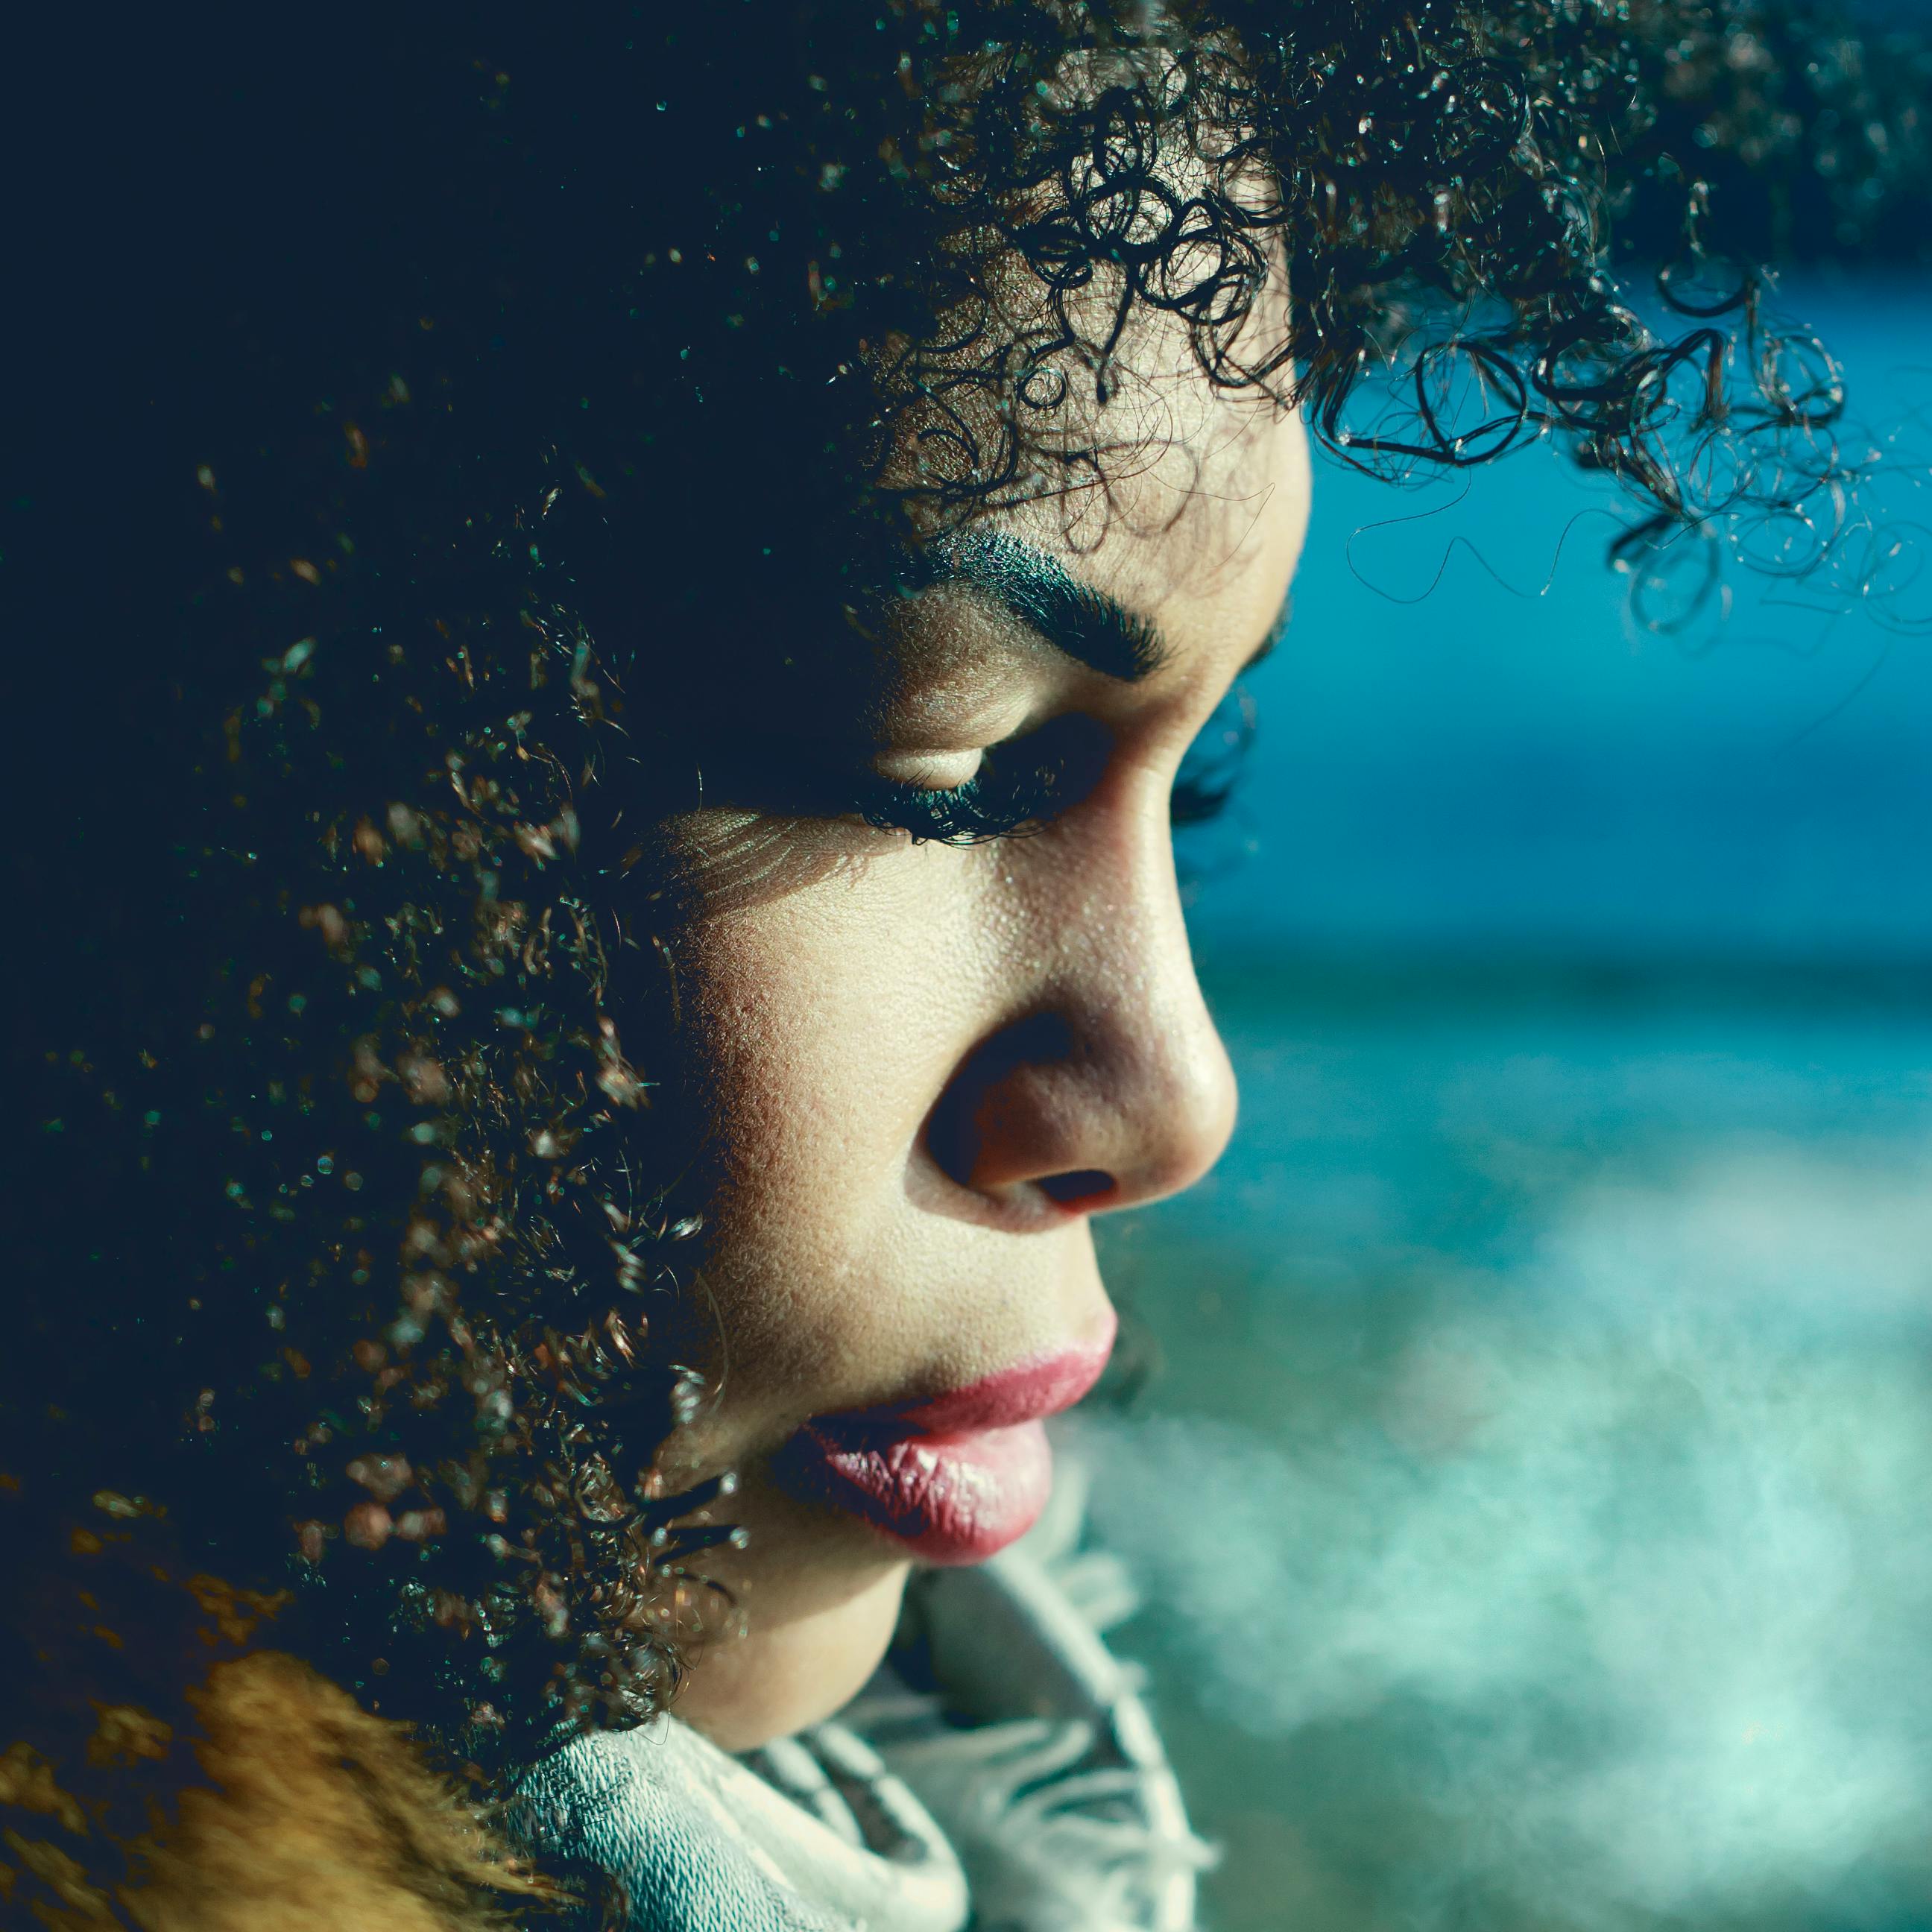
(1028, 1391)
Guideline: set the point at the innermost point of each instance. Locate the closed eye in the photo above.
(1021, 786)
(1013, 787)
(1017, 787)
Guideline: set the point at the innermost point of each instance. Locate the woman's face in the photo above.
(933, 1064)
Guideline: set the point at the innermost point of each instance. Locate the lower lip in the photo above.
(948, 1499)
(955, 1479)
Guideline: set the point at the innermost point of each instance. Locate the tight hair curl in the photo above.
(1437, 186)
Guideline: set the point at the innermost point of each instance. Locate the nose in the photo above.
(1107, 1085)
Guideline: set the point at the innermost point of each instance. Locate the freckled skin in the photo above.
(1039, 989)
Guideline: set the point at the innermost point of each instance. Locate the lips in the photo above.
(957, 1477)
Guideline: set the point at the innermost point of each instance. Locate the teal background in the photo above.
(1527, 1448)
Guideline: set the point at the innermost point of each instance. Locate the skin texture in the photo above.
(933, 1065)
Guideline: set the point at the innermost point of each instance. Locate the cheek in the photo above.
(824, 1024)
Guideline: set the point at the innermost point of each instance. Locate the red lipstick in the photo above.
(957, 1477)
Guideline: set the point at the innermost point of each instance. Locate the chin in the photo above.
(780, 1676)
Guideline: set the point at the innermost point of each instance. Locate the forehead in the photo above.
(1184, 499)
(1198, 524)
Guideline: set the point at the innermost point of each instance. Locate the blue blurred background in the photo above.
(1528, 1488)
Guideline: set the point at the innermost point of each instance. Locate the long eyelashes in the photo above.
(1021, 788)
(966, 814)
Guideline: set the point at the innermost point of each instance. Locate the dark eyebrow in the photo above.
(1086, 624)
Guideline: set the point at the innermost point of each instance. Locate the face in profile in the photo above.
(933, 1058)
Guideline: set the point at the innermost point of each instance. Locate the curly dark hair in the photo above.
(518, 380)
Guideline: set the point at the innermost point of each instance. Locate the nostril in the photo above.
(988, 1127)
(1081, 1187)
